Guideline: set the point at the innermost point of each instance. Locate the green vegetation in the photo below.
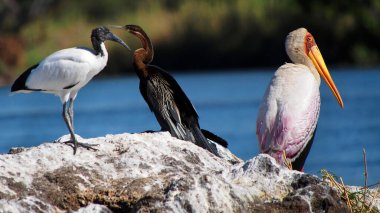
(358, 199)
(194, 34)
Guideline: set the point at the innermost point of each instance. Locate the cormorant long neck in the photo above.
(147, 46)
(143, 56)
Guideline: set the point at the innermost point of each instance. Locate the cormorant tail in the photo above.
(211, 136)
(202, 141)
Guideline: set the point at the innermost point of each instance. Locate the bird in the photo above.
(214, 138)
(288, 114)
(65, 72)
(165, 98)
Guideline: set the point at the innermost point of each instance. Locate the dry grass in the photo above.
(360, 199)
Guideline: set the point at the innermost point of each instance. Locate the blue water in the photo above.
(227, 104)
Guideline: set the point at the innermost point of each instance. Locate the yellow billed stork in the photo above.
(288, 114)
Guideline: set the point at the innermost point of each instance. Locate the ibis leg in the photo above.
(71, 112)
(68, 119)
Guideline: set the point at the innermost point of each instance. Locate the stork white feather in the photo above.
(289, 111)
(288, 114)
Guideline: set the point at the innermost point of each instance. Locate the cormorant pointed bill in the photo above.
(288, 115)
(164, 96)
(65, 72)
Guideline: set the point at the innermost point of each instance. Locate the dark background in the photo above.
(194, 35)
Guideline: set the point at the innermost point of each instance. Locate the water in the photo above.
(227, 104)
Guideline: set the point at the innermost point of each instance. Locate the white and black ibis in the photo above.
(65, 72)
(289, 111)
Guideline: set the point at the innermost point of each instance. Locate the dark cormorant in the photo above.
(172, 108)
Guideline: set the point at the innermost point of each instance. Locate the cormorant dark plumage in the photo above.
(211, 136)
(172, 108)
(65, 72)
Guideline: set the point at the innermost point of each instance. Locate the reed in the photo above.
(358, 199)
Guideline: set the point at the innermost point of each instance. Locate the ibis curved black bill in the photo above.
(114, 38)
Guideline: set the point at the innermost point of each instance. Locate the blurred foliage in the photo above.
(197, 34)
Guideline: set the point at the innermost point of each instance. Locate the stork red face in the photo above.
(312, 51)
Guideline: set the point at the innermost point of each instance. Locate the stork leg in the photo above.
(68, 120)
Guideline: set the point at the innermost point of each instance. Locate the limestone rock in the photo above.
(154, 172)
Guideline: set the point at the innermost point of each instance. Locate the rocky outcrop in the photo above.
(154, 172)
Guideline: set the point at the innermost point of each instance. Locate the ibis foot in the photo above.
(76, 144)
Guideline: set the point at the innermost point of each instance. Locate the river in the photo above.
(227, 103)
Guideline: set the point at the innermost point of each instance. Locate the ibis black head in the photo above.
(101, 34)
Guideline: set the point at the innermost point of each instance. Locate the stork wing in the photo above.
(289, 112)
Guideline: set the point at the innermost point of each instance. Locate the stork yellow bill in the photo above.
(317, 59)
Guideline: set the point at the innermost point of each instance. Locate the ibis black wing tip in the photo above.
(19, 83)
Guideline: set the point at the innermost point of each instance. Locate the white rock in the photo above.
(153, 171)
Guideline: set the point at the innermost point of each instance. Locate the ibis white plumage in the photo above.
(65, 72)
(289, 111)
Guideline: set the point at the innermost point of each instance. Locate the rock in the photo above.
(154, 172)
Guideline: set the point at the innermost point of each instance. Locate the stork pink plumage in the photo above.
(288, 114)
